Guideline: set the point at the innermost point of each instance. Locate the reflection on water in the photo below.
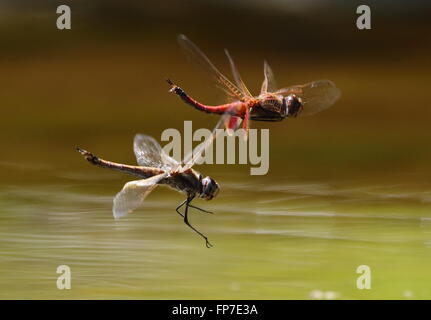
(298, 240)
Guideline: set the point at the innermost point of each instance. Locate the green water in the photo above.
(273, 239)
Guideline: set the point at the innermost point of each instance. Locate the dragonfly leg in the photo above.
(178, 208)
(200, 209)
(191, 206)
(186, 221)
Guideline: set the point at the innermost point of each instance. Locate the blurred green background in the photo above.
(347, 187)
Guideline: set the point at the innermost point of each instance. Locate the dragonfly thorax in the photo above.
(192, 183)
(271, 101)
(268, 107)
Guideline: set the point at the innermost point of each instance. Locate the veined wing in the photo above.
(236, 75)
(133, 195)
(197, 153)
(316, 96)
(269, 84)
(149, 153)
(224, 83)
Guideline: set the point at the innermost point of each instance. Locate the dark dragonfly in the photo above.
(157, 168)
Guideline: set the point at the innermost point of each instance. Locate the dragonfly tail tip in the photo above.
(88, 155)
(79, 150)
(174, 87)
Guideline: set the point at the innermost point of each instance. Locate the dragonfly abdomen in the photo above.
(142, 172)
(234, 108)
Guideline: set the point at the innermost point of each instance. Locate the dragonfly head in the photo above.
(209, 188)
(293, 105)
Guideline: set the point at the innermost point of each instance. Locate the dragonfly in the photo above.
(155, 167)
(271, 104)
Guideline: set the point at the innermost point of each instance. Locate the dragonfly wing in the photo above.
(133, 195)
(199, 57)
(149, 153)
(269, 84)
(197, 153)
(237, 76)
(316, 96)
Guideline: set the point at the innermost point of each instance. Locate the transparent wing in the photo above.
(133, 195)
(236, 75)
(149, 153)
(232, 123)
(316, 96)
(197, 153)
(269, 84)
(221, 81)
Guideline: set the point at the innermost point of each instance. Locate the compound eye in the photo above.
(292, 100)
(216, 190)
(293, 105)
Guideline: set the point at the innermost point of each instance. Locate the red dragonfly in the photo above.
(270, 105)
